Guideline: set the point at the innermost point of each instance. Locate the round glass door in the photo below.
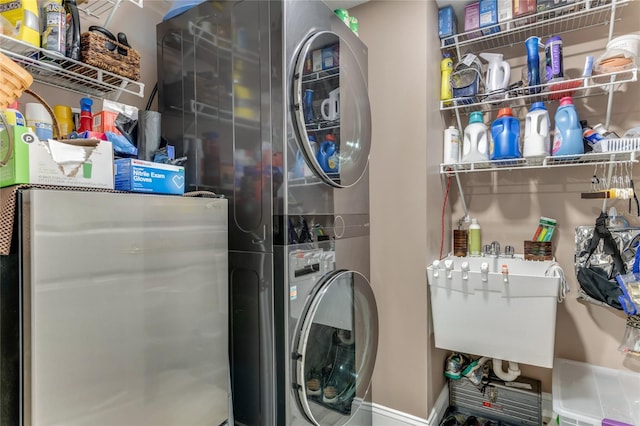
(331, 110)
(337, 342)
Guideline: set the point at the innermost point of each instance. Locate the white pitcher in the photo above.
(330, 107)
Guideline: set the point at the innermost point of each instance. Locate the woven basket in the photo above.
(94, 50)
(13, 81)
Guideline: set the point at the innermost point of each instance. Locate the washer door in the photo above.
(331, 110)
(336, 345)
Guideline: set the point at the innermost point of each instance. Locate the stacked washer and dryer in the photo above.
(268, 101)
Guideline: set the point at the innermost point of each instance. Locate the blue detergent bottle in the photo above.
(328, 155)
(533, 63)
(567, 138)
(505, 131)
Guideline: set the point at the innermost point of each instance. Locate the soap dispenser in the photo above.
(475, 242)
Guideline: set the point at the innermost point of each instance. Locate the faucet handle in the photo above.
(509, 251)
(495, 248)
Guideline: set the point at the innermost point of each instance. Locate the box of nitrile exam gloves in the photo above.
(145, 176)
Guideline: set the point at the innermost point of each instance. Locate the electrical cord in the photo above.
(555, 270)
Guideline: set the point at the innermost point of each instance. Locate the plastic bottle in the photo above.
(14, 116)
(54, 26)
(39, 120)
(328, 155)
(567, 139)
(72, 38)
(476, 144)
(446, 67)
(533, 63)
(475, 241)
(86, 118)
(554, 69)
(451, 146)
(65, 119)
(537, 142)
(23, 16)
(505, 131)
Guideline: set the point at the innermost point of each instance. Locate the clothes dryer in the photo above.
(247, 80)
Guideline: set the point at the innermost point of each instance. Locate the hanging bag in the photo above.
(597, 282)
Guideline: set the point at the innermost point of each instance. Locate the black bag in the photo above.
(595, 281)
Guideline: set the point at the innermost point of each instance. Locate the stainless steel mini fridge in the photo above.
(115, 311)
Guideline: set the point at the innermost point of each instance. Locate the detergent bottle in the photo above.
(505, 132)
(567, 138)
(475, 143)
(328, 155)
(446, 67)
(533, 63)
(536, 132)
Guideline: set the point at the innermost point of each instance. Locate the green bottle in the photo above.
(475, 242)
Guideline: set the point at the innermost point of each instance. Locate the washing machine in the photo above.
(268, 101)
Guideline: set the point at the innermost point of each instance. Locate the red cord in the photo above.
(444, 204)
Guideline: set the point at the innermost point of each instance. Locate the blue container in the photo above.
(567, 138)
(505, 131)
(533, 63)
(328, 155)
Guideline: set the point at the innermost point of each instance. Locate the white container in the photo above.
(39, 120)
(451, 146)
(629, 42)
(537, 141)
(476, 144)
(585, 394)
(480, 313)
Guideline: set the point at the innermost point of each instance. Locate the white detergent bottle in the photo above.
(476, 143)
(537, 142)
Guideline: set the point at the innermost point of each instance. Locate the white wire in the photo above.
(557, 271)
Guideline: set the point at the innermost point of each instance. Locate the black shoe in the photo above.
(450, 421)
(471, 421)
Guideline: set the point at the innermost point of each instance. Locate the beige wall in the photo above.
(406, 131)
(407, 195)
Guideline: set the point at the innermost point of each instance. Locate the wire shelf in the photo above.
(98, 8)
(541, 163)
(554, 91)
(51, 69)
(581, 14)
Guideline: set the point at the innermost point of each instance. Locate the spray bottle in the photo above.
(86, 118)
(446, 67)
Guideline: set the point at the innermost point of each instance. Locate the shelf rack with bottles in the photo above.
(48, 68)
(578, 15)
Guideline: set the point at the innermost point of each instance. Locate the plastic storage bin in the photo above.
(585, 394)
(482, 308)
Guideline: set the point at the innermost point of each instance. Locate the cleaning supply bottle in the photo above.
(505, 132)
(533, 63)
(567, 138)
(54, 26)
(451, 146)
(14, 116)
(23, 16)
(536, 132)
(475, 241)
(476, 144)
(328, 154)
(446, 67)
(86, 118)
(65, 119)
(72, 38)
(39, 120)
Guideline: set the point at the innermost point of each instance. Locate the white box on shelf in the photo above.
(508, 315)
(585, 394)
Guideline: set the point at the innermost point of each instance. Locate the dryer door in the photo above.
(331, 111)
(336, 345)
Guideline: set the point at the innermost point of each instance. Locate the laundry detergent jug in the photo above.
(505, 132)
(567, 138)
(328, 155)
(498, 72)
(536, 132)
(475, 143)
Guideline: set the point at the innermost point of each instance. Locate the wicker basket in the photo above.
(95, 52)
(13, 81)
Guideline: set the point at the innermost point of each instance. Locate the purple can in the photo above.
(553, 53)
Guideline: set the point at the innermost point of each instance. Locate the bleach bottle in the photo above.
(505, 131)
(328, 155)
(475, 143)
(537, 141)
(567, 138)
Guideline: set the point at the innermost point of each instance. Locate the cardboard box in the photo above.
(505, 10)
(544, 5)
(489, 16)
(523, 8)
(77, 162)
(145, 176)
(447, 23)
(472, 19)
(104, 121)
(316, 56)
(327, 58)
